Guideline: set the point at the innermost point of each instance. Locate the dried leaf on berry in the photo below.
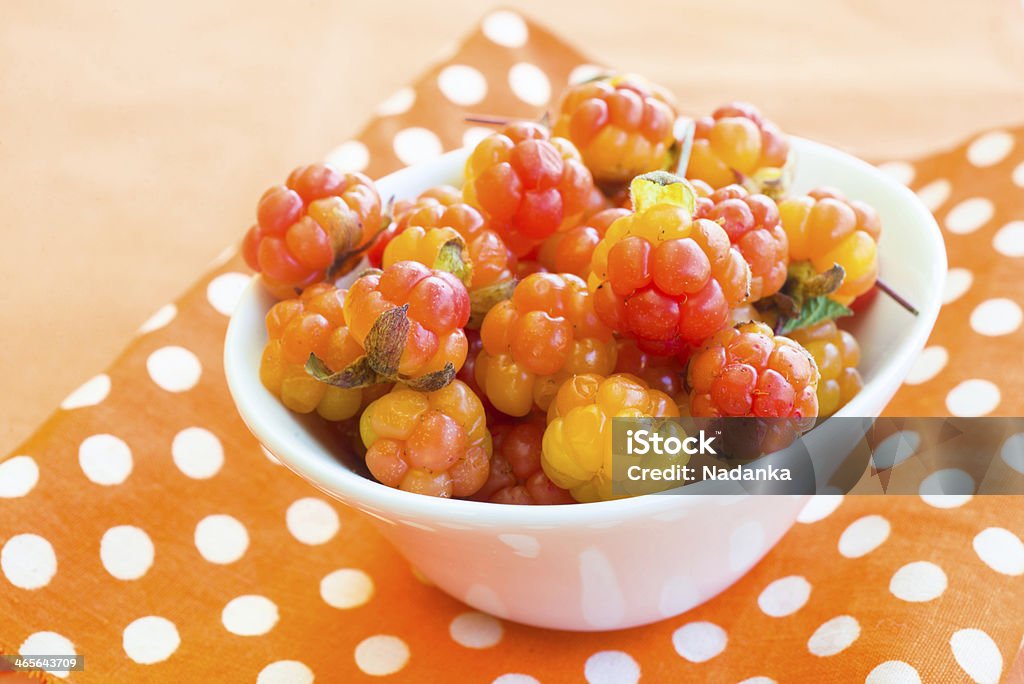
(803, 282)
(386, 340)
(484, 299)
(431, 382)
(357, 374)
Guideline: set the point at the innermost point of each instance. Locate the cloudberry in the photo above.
(754, 228)
(311, 324)
(825, 228)
(527, 184)
(736, 144)
(622, 125)
(577, 449)
(662, 277)
(545, 333)
(434, 443)
(836, 354)
(303, 226)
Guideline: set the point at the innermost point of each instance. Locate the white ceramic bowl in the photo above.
(614, 564)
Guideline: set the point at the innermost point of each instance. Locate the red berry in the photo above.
(304, 225)
(622, 124)
(527, 184)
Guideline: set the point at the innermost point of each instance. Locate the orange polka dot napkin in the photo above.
(143, 527)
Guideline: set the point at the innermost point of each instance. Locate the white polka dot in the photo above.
(312, 521)
(1013, 452)
(901, 172)
(530, 84)
(1000, 550)
(415, 145)
(929, 363)
(18, 476)
(585, 72)
(224, 291)
(834, 636)
(105, 459)
(285, 672)
(523, 545)
(349, 156)
(819, 507)
(895, 449)
(346, 588)
(759, 680)
(978, 655)
(1009, 240)
(995, 317)
(864, 536)
(958, 281)
(381, 655)
(197, 452)
(1018, 175)
(249, 615)
(221, 539)
(48, 644)
(127, 552)
(784, 596)
(164, 315)
(947, 488)
(746, 544)
(150, 640)
(893, 672)
(475, 630)
(935, 193)
(973, 398)
(699, 642)
(399, 102)
(90, 393)
(611, 667)
(515, 678)
(28, 561)
(918, 582)
(990, 148)
(174, 369)
(475, 134)
(462, 84)
(969, 215)
(506, 28)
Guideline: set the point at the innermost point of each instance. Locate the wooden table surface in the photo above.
(135, 138)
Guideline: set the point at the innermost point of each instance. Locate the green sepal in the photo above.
(814, 311)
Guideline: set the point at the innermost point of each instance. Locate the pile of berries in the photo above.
(494, 331)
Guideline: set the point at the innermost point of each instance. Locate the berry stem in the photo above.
(684, 138)
(896, 296)
(488, 120)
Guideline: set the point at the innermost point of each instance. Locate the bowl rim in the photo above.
(340, 482)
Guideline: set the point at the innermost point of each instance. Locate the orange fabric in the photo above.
(51, 533)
